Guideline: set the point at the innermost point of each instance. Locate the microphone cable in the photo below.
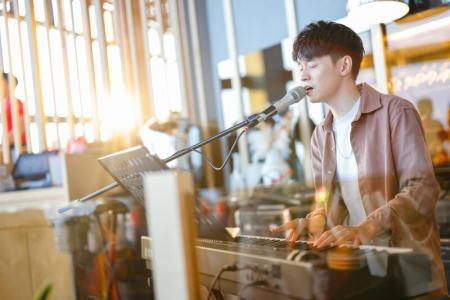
(250, 284)
(228, 156)
(225, 268)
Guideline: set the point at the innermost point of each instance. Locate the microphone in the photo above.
(281, 106)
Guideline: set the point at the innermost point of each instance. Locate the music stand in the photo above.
(127, 168)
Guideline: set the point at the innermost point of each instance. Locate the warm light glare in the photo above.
(119, 116)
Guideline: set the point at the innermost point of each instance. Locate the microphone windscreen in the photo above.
(293, 96)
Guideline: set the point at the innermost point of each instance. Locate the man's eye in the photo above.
(312, 66)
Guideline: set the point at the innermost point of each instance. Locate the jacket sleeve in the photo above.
(418, 188)
(319, 206)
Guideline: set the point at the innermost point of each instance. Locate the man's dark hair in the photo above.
(328, 38)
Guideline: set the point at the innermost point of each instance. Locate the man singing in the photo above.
(369, 156)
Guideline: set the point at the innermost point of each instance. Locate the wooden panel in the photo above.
(29, 258)
(15, 283)
(49, 264)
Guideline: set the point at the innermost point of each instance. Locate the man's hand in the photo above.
(314, 225)
(339, 235)
(344, 235)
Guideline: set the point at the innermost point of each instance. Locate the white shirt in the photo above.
(346, 167)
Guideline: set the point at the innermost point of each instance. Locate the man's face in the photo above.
(320, 77)
(5, 89)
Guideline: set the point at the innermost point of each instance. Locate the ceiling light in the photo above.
(354, 24)
(376, 11)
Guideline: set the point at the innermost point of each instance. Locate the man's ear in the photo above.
(345, 65)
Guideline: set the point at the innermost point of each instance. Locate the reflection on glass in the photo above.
(426, 84)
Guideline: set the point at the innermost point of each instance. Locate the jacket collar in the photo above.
(370, 102)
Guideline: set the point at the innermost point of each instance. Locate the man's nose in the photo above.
(304, 75)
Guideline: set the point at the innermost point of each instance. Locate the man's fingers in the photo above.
(344, 239)
(301, 224)
(286, 226)
(315, 236)
(329, 236)
(292, 237)
(323, 237)
(330, 239)
(295, 233)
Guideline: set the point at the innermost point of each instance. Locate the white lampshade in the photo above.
(354, 24)
(376, 11)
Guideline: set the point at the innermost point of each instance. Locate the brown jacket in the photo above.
(396, 179)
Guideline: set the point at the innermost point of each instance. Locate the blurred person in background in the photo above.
(435, 134)
(9, 109)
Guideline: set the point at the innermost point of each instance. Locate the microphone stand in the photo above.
(250, 122)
